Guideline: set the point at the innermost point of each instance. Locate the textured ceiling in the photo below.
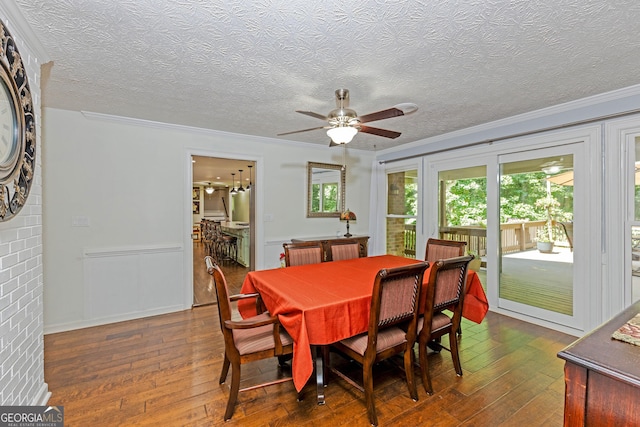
(245, 66)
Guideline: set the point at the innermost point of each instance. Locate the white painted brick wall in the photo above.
(21, 281)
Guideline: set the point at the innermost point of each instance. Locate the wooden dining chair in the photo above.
(442, 249)
(301, 253)
(256, 338)
(392, 323)
(342, 249)
(444, 291)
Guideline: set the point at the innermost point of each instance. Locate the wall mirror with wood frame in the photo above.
(325, 190)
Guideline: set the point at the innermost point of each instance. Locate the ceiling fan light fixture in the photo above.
(551, 170)
(342, 134)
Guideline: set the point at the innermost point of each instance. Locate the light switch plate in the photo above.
(79, 221)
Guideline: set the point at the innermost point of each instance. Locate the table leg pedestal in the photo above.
(322, 351)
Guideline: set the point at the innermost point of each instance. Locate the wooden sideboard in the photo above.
(362, 240)
(602, 377)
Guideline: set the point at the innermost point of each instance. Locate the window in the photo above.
(324, 197)
(402, 211)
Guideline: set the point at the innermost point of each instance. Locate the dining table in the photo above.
(320, 304)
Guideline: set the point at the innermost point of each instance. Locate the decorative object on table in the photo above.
(282, 262)
(17, 130)
(347, 216)
(630, 331)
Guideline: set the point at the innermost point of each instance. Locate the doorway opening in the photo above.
(224, 200)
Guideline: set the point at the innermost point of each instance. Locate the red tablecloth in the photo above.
(320, 304)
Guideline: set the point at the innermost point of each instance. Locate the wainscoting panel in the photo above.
(127, 283)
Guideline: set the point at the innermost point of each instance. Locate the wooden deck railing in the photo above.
(409, 239)
(514, 237)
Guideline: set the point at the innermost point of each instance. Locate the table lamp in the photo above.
(347, 216)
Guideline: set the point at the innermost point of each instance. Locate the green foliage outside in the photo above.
(411, 199)
(329, 193)
(330, 197)
(523, 197)
(315, 198)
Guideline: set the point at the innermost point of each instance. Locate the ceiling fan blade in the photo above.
(380, 132)
(379, 115)
(312, 114)
(303, 130)
(333, 144)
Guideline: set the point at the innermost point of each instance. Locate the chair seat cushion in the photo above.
(440, 320)
(258, 339)
(387, 338)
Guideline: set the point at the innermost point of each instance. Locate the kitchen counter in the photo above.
(241, 231)
(235, 225)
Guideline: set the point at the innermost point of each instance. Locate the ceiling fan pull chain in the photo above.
(344, 157)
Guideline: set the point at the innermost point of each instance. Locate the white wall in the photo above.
(128, 183)
(21, 280)
(241, 206)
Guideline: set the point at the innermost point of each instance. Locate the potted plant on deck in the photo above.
(545, 238)
(546, 235)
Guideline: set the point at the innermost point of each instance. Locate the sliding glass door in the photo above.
(462, 209)
(506, 204)
(633, 226)
(536, 274)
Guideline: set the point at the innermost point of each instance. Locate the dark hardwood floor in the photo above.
(204, 291)
(164, 370)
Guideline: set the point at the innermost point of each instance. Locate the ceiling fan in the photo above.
(344, 123)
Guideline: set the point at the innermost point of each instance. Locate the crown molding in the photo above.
(194, 130)
(601, 105)
(22, 31)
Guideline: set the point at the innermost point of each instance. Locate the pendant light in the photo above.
(233, 177)
(241, 188)
(209, 189)
(250, 183)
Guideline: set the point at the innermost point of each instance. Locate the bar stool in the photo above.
(228, 248)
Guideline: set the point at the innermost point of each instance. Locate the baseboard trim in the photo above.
(81, 324)
(43, 396)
